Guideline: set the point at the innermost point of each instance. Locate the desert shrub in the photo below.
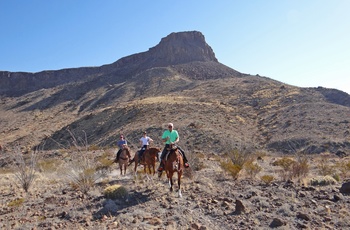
(104, 163)
(48, 165)
(93, 148)
(234, 160)
(336, 177)
(322, 181)
(252, 168)
(239, 158)
(344, 168)
(267, 179)
(231, 168)
(16, 203)
(300, 167)
(83, 171)
(25, 170)
(286, 164)
(325, 168)
(115, 192)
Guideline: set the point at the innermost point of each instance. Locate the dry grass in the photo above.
(267, 179)
(25, 171)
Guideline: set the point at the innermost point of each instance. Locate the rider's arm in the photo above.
(177, 140)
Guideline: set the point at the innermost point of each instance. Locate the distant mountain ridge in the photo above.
(180, 80)
(176, 48)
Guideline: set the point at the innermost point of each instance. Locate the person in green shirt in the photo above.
(171, 136)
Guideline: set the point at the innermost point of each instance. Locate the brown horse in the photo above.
(174, 163)
(124, 159)
(149, 159)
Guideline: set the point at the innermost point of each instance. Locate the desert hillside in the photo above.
(179, 80)
(263, 154)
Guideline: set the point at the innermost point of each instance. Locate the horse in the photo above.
(149, 159)
(124, 159)
(174, 163)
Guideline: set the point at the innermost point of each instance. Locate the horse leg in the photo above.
(154, 168)
(149, 168)
(135, 168)
(124, 169)
(179, 183)
(170, 178)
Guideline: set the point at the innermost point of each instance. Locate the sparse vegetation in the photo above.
(344, 168)
(301, 167)
(49, 165)
(267, 179)
(26, 168)
(322, 181)
(115, 192)
(324, 167)
(234, 161)
(229, 167)
(16, 203)
(292, 168)
(84, 172)
(252, 169)
(286, 163)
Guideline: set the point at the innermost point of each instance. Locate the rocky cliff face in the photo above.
(176, 48)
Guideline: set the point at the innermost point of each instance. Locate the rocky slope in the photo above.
(211, 199)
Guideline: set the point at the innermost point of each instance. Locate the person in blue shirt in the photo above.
(121, 144)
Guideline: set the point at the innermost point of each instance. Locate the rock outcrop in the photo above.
(176, 48)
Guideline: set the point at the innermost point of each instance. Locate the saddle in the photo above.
(173, 147)
(141, 154)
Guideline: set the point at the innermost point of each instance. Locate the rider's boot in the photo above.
(161, 167)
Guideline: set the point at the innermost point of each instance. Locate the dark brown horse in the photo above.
(124, 159)
(174, 163)
(149, 159)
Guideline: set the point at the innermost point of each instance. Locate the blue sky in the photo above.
(304, 43)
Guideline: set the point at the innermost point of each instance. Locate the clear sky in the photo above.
(299, 42)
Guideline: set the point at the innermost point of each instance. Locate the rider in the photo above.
(121, 144)
(170, 136)
(144, 142)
